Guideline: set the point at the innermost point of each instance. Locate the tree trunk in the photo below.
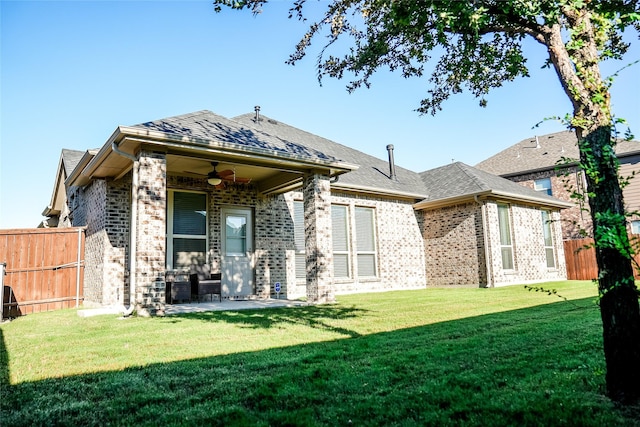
(619, 307)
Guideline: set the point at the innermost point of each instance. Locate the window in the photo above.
(298, 236)
(186, 229)
(506, 247)
(235, 237)
(548, 240)
(543, 185)
(635, 227)
(345, 227)
(340, 225)
(365, 242)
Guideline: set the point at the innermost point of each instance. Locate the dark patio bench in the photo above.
(201, 287)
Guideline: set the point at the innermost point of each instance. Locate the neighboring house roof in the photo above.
(543, 153)
(372, 174)
(458, 182)
(69, 159)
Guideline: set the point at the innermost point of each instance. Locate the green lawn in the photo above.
(497, 357)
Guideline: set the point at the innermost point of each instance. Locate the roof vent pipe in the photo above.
(392, 165)
(257, 109)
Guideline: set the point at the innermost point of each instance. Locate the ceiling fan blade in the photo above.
(242, 180)
(226, 172)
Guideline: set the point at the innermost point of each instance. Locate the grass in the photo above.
(499, 357)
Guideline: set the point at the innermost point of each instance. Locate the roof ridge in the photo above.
(473, 176)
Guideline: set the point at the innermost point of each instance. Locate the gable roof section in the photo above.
(69, 159)
(207, 126)
(458, 182)
(372, 174)
(203, 134)
(543, 153)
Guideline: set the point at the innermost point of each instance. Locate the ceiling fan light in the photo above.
(213, 179)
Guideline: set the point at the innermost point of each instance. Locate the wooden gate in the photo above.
(580, 257)
(44, 269)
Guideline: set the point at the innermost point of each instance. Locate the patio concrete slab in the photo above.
(229, 305)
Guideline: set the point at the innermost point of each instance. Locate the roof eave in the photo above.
(375, 190)
(138, 137)
(492, 194)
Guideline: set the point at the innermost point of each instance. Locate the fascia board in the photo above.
(165, 141)
(490, 194)
(374, 190)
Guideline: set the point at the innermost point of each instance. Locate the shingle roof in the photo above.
(447, 182)
(458, 180)
(372, 173)
(205, 125)
(70, 159)
(542, 152)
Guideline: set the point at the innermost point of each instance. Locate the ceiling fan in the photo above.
(217, 179)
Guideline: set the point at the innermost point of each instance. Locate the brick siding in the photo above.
(454, 246)
(576, 220)
(530, 264)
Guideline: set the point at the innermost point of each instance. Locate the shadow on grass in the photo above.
(313, 316)
(4, 365)
(534, 366)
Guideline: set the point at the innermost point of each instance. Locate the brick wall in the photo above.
(456, 254)
(90, 212)
(575, 220)
(117, 226)
(274, 241)
(530, 264)
(150, 216)
(454, 246)
(399, 246)
(316, 192)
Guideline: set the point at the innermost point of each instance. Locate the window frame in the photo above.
(505, 246)
(549, 244)
(171, 236)
(348, 243)
(540, 187)
(372, 238)
(299, 250)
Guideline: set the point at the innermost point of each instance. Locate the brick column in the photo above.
(316, 191)
(150, 230)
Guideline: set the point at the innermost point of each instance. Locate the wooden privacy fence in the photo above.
(581, 259)
(44, 269)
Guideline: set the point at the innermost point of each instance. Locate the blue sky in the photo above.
(71, 72)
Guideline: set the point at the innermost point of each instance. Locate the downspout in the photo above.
(78, 260)
(485, 236)
(132, 230)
